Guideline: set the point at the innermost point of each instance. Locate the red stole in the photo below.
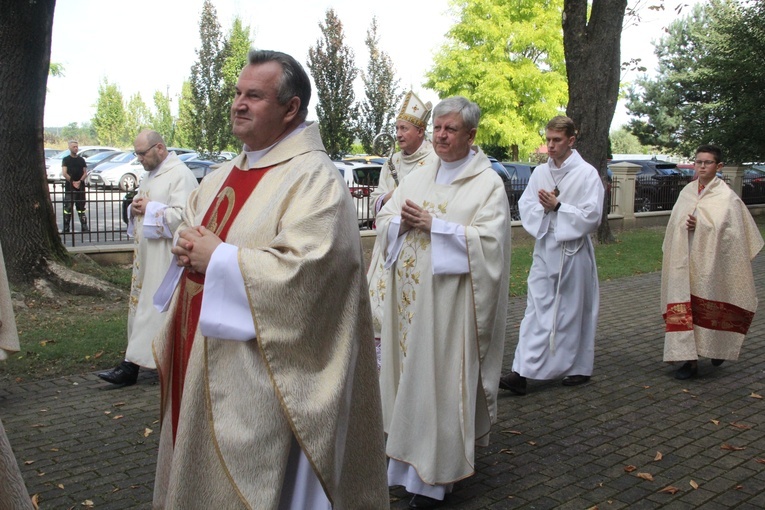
(232, 195)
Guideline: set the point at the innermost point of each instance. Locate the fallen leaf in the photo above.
(515, 432)
(694, 484)
(147, 432)
(630, 468)
(670, 490)
(107, 412)
(54, 449)
(60, 486)
(98, 354)
(35, 501)
(19, 379)
(593, 508)
(658, 457)
(646, 387)
(41, 473)
(28, 462)
(645, 476)
(88, 503)
(135, 486)
(730, 447)
(43, 410)
(760, 461)
(686, 391)
(117, 404)
(532, 443)
(116, 489)
(117, 417)
(739, 487)
(755, 395)
(37, 425)
(740, 426)
(506, 451)
(716, 422)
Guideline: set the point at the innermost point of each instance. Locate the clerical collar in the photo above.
(566, 162)
(449, 170)
(255, 156)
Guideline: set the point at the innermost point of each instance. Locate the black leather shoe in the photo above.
(717, 362)
(420, 501)
(688, 370)
(126, 374)
(513, 382)
(575, 380)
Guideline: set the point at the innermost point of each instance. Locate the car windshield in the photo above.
(369, 176)
(61, 155)
(667, 171)
(125, 157)
(98, 156)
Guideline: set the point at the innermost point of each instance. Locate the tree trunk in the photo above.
(29, 235)
(593, 63)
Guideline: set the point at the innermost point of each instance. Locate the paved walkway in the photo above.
(79, 440)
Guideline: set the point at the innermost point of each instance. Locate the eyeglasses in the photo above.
(702, 164)
(144, 153)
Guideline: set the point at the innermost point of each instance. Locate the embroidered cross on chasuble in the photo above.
(232, 195)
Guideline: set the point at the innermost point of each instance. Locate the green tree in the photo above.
(378, 108)
(332, 65)
(56, 69)
(235, 51)
(109, 121)
(162, 120)
(709, 83)
(83, 134)
(507, 56)
(137, 117)
(624, 142)
(211, 119)
(185, 126)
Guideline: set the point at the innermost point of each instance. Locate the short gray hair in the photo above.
(468, 110)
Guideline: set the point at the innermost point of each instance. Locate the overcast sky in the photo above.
(148, 45)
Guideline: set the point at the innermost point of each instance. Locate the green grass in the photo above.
(78, 334)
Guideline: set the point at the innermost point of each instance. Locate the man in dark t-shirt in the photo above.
(74, 170)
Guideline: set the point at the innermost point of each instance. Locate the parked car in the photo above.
(101, 157)
(361, 179)
(753, 185)
(518, 178)
(187, 156)
(53, 164)
(377, 160)
(123, 172)
(657, 184)
(201, 167)
(49, 153)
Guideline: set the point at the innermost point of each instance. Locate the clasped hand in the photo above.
(195, 247)
(414, 216)
(548, 200)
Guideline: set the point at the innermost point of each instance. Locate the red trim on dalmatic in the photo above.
(705, 313)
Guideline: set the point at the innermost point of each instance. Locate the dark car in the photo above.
(753, 185)
(657, 184)
(515, 177)
(199, 167)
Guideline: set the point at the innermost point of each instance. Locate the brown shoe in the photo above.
(575, 380)
(513, 382)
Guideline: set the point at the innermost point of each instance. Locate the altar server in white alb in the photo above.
(560, 207)
(446, 236)
(416, 152)
(153, 215)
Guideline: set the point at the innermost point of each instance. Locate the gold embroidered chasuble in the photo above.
(377, 274)
(708, 298)
(311, 371)
(443, 335)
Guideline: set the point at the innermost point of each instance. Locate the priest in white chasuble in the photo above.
(416, 152)
(446, 238)
(708, 297)
(270, 397)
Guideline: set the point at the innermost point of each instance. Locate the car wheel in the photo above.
(128, 182)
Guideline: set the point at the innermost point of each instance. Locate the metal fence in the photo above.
(753, 188)
(104, 212)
